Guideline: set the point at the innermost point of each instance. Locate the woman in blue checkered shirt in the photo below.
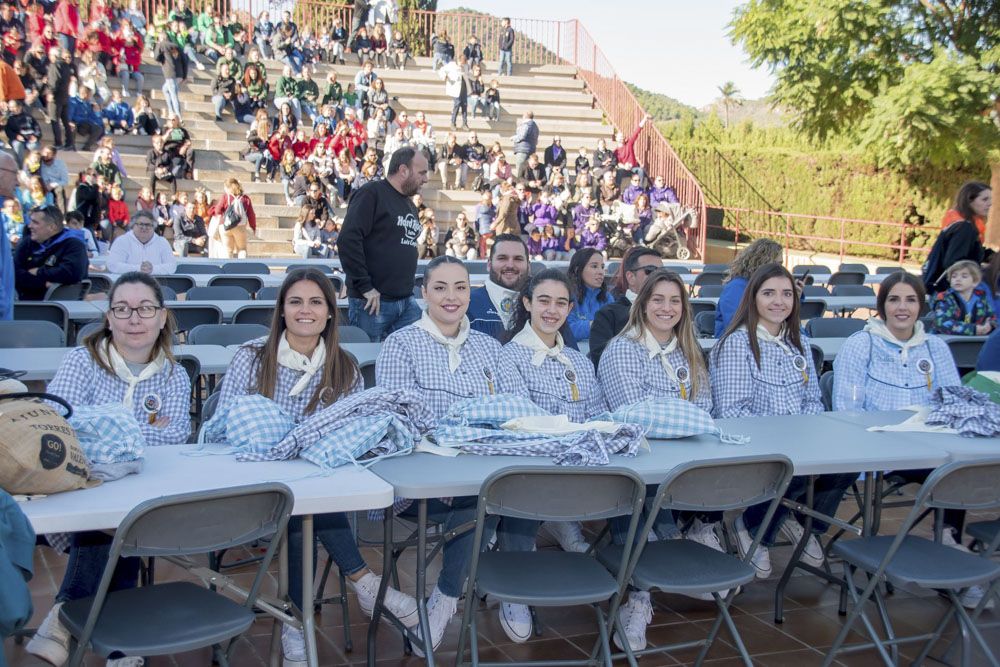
(763, 366)
(302, 368)
(656, 356)
(443, 360)
(128, 362)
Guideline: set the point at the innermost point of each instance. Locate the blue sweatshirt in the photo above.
(729, 301)
(582, 315)
(116, 113)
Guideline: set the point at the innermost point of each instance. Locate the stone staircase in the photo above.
(558, 99)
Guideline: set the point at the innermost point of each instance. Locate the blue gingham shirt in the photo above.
(876, 366)
(628, 375)
(547, 385)
(411, 359)
(81, 381)
(741, 389)
(241, 379)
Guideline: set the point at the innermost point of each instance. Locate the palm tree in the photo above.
(731, 97)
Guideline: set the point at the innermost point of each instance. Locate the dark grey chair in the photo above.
(180, 284)
(818, 357)
(701, 307)
(268, 293)
(965, 352)
(834, 327)
(259, 268)
(908, 560)
(168, 293)
(253, 313)
(551, 578)
(810, 309)
(815, 290)
(218, 293)
(703, 279)
(710, 291)
(225, 334)
(349, 334)
(678, 268)
(853, 290)
(610, 269)
(538, 267)
(68, 292)
(888, 270)
(716, 268)
(188, 316)
(99, 284)
(687, 567)
(87, 329)
(813, 270)
(704, 324)
(192, 367)
(31, 333)
(203, 269)
(179, 616)
(826, 390)
(853, 268)
(251, 284)
(846, 278)
(42, 311)
(368, 375)
(322, 268)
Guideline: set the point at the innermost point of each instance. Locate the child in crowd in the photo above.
(492, 97)
(964, 308)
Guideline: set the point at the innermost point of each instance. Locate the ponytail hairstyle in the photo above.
(522, 317)
(747, 315)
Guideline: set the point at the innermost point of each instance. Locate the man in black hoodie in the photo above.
(22, 130)
(59, 75)
(48, 255)
(611, 319)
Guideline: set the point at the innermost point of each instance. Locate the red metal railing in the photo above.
(843, 236)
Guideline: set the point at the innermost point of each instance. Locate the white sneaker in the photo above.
(440, 609)
(130, 661)
(293, 647)
(813, 553)
(400, 605)
(199, 65)
(568, 534)
(51, 640)
(761, 559)
(948, 540)
(635, 615)
(972, 596)
(515, 619)
(704, 533)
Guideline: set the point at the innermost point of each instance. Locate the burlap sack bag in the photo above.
(39, 452)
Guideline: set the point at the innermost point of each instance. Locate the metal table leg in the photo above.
(425, 626)
(308, 618)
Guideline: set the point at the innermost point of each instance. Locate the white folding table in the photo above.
(41, 363)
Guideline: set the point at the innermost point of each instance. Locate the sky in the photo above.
(680, 49)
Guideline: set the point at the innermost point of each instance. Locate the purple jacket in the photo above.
(535, 247)
(554, 243)
(589, 239)
(666, 193)
(632, 193)
(545, 214)
(581, 216)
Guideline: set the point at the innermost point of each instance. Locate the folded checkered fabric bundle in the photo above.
(107, 433)
(491, 413)
(966, 410)
(368, 424)
(668, 418)
(250, 424)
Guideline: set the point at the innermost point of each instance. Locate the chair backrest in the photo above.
(178, 283)
(811, 309)
(963, 485)
(188, 316)
(31, 333)
(324, 268)
(818, 357)
(68, 292)
(846, 278)
(815, 290)
(704, 323)
(701, 307)
(538, 267)
(253, 313)
(225, 334)
(834, 327)
(251, 284)
(99, 284)
(168, 293)
(853, 290)
(203, 269)
(888, 270)
(703, 279)
(715, 268)
(350, 334)
(710, 291)
(211, 404)
(965, 351)
(190, 364)
(611, 268)
(42, 311)
(720, 485)
(258, 268)
(826, 390)
(854, 268)
(90, 327)
(218, 293)
(812, 269)
(678, 268)
(268, 293)
(368, 375)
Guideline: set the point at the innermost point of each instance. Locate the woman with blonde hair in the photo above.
(233, 214)
(751, 258)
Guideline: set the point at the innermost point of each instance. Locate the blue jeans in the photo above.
(334, 531)
(827, 494)
(219, 102)
(88, 556)
(294, 60)
(392, 316)
(458, 552)
(506, 57)
(20, 146)
(170, 95)
(460, 104)
(124, 74)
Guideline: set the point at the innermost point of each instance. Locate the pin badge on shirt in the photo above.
(799, 363)
(926, 367)
(151, 403)
(507, 305)
(488, 374)
(574, 391)
(683, 375)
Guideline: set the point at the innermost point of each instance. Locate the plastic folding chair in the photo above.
(847, 278)
(42, 311)
(225, 334)
(99, 283)
(192, 367)
(704, 324)
(888, 270)
(965, 352)
(68, 292)
(268, 293)
(710, 291)
(323, 268)
(551, 578)
(678, 268)
(87, 329)
(251, 284)
(815, 290)
(31, 333)
(834, 327)
(716, 268)
(853, 290)
(178, 283)
(818, 356)
(826, 390)
(701, 307)
(853, 268)
(810, 309)
(258, 268)
(687, 567)
(173, 617)
(253, 313)
(703, 279)
(813, 270)
(202, 269)
(218, 293)
(188, 316)
(904, 559)
(350, 334)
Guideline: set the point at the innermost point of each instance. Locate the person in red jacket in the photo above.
(130, 43)
(66, 20)
(118, 211)
(628, 162)
(235, 211)
(279, 142)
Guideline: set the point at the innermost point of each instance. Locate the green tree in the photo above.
(731, 97)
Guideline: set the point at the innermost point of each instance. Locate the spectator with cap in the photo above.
(48, 255)
(141, 249)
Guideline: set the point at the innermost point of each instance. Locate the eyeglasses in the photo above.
(645, 269)
(125, 312)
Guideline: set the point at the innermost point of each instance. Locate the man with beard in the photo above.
(48, 255)
(378, 247)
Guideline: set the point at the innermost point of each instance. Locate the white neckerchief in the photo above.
(503, 300)
(453, 345)
(113, 358)
(528, 337)
(877, 327)
(779, 340)
(654, 350)
(300, 363)
(631, 296)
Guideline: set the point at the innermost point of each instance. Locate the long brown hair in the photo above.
(339, 371)
(99, 340)
(747, 315)
(683, 330)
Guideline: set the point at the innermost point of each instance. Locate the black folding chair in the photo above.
(252, 284)
(258, 268)
(68, 292)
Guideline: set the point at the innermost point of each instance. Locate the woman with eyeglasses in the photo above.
(128, 362)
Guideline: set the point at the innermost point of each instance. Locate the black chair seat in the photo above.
(984, 531)
(544, 578)
(919, 561)
(682, 566)
(178, 616)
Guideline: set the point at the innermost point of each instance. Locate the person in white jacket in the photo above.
(456, 85)
(141, 249)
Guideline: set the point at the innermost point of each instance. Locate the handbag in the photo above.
(233, 215)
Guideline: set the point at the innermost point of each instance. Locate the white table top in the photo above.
(805, 439)
(167, 471)
(41, 363)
